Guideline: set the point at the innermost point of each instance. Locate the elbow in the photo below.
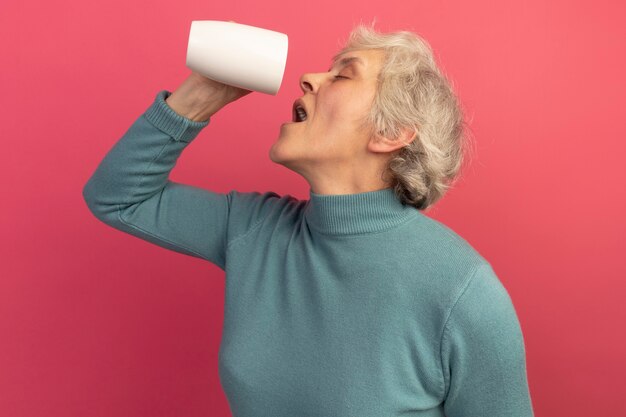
(90, 198)
(96, 203)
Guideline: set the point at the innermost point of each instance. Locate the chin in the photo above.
(277, 154)
(273, 154)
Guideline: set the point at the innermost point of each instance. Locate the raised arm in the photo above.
(130, 189)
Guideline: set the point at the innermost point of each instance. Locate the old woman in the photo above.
(352, 303)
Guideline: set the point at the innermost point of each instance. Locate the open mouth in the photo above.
(298, 113)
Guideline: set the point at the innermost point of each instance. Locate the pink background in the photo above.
(94, 322)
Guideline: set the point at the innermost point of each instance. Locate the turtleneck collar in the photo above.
(346, 214)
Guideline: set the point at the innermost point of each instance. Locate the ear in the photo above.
(382, 144)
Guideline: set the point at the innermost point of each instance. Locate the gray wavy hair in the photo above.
(412, 92)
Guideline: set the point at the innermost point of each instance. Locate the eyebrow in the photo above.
(343, 62)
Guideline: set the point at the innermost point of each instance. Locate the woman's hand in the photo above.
(227, 92)
(199, 97)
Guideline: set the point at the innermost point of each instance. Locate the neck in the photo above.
(342, 189)
(347, 181)
(356, 213)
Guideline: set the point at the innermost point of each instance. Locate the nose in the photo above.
(306, 83)
(310, 81)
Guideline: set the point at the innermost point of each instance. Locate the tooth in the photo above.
(301, 113)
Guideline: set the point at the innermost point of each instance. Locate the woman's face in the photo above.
(329, 142)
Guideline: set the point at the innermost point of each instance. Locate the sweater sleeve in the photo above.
(130, 190)
(483, 354)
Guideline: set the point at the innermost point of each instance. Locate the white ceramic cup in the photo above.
(239, 55)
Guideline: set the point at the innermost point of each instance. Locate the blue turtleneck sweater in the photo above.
(338, 306)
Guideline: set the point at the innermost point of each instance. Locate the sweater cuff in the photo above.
(162, 116)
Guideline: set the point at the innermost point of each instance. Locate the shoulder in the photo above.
(257, 202)
(249, 210)
(445, 237)
(449, 254)
(442, 263)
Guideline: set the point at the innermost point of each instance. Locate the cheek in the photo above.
(338, 110)
(329, 106)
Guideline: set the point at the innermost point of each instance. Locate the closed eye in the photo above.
(341, 76)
